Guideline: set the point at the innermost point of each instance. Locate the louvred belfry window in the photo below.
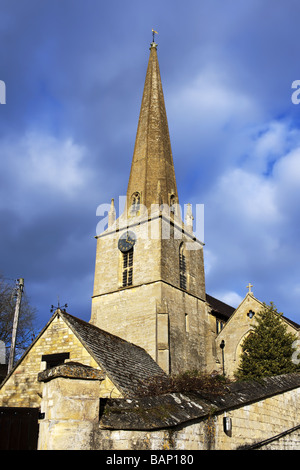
(182, 267)
(127, 268)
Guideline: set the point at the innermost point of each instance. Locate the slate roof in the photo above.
(127, 365)
(219, 308)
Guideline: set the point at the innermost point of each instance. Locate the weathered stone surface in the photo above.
(71, 409)
(72, 370)
(169, 410)
(152, 312)
(162, 411)
(152, 161)
(21, 387)
(122, 366)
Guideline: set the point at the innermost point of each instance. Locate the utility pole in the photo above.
(20, 288)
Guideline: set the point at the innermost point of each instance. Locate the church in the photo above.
(150, 317)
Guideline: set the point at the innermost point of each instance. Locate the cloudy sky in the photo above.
(74, 72)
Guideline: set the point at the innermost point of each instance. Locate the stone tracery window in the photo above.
(250, 314)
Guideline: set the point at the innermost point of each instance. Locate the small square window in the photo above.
(53, 360)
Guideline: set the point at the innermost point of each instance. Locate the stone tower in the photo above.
(149, 285)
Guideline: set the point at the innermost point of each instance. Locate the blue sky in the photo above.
(74, 74)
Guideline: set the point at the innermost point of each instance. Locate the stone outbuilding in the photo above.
(120, 366)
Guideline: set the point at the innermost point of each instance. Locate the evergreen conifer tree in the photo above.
(268, 350)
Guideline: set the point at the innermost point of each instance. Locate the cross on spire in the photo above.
(249, 288)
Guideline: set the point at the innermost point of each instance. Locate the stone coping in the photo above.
(71, 370)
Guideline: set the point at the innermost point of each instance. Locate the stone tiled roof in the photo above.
(172, 409)
(127, 365)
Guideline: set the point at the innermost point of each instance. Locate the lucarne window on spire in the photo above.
(135, 203)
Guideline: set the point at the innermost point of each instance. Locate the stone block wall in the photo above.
(70, 405)
(22, 387)
(250, 424)
(236, 330)
(261, 420)
(159, 324)
(269, 419)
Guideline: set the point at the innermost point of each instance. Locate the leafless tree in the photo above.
(27, 329)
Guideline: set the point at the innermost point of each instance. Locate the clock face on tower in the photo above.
(126, 241)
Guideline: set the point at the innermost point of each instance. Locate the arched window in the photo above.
(135, 203)
(172, 203)
(182, 267)
(127, 268)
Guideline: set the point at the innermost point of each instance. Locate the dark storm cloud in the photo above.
(74, 73)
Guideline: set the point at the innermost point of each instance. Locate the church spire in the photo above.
(152, 163)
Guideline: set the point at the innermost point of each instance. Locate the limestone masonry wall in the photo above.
(250, 423)
(23, 389)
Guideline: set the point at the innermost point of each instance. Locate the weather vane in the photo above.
(153, 33)
(53, 308)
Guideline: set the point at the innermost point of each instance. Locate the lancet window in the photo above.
(182, 267)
